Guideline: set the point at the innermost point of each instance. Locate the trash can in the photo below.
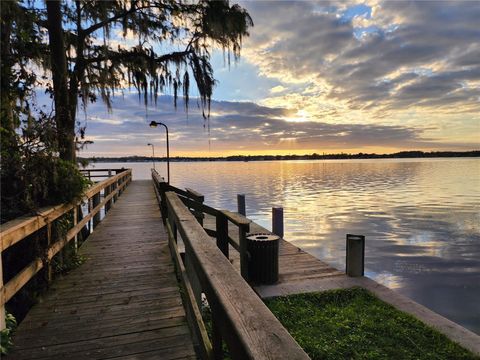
(263, 263)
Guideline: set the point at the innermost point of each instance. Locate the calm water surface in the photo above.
(421, 217)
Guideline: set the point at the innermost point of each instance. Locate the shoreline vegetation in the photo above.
(314, 156)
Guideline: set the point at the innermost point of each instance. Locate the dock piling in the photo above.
(241, 204)
(355, 263)
(277, 221)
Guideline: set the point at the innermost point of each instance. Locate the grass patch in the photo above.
(354, 324)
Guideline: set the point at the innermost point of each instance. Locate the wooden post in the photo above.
(355, 262)
(222, 233)
(277, 221)
(85, 231)
(119, 184)
(106, 192)
(115, 197)
(162, 188)
(192, 276)
(3, 324)
(241, 204)
(173, 225)
(242, 236)
(89, 206)
(49, 262)
(96, 202)
(75, 222)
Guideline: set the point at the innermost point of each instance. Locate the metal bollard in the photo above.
(277, 221)
(241, 204)
(355, 263)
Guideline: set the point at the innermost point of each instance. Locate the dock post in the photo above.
(49, 270)
(106, 192)
(115, 186)
(222, 233)
(2, 299)
(75, 222)
(355, 263)
(241, 204)
(242, 237)
(277, 221)
(193, 277)
(96, 202)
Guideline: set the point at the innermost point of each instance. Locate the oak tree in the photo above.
(98, 47)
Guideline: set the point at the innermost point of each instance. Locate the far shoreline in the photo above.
(247, 158)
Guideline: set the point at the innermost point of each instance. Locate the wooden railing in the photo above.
(194, 201)
(100, 173)
(17, 230)
(239, 317)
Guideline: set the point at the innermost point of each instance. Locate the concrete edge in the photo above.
(452, 330)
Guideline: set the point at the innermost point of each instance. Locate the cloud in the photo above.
(380, 57)
(235, 128)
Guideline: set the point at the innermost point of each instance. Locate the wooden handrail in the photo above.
(95, 170)
(194, 201)
(248, 327)
(16, 230)
(236, 218)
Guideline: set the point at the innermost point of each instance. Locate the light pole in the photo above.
(155, 124)
(153, 154)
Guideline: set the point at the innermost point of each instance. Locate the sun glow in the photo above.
(300, 116)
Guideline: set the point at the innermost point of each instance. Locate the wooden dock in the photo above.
(295, 266)
(123, 302)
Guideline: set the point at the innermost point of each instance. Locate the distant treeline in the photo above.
(401, 155)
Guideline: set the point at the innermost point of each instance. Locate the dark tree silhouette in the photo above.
(87, 59)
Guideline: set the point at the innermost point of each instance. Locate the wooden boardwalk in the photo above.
(122, 303)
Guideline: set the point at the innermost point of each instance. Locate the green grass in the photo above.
(354, 324)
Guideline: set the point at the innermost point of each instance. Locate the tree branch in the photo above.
(128, 55)
(105, 22)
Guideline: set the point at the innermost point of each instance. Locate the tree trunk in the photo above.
(63, 117)
(6, 110)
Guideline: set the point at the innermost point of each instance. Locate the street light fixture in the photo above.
(154, 124)
(153, 154)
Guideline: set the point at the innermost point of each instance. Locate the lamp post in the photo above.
(153, 154)
(154, 124)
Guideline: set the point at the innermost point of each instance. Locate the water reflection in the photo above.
(421, 217)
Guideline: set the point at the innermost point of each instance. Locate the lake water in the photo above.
(421, 217)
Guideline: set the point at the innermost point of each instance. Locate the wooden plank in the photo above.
(15, 230)
(19, 280)
(195, 195)
(3, 324)
(236, 218)
(124, 301)
(113, 346)
(250, 330)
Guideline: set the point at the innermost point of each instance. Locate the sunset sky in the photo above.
(373, 76)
